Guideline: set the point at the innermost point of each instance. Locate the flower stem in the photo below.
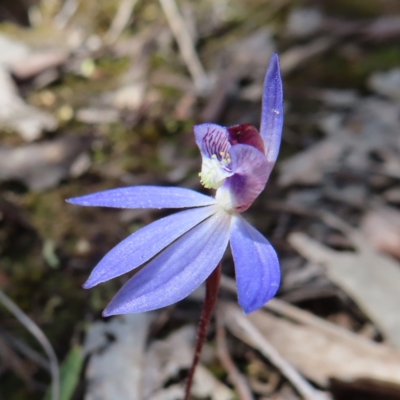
(212, 285)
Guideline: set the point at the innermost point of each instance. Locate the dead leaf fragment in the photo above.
(383, 28)
(15, 114)
(42, 165)
(386, 83)
(166, 358)
(371, 128)
(297, 55)
(371, 279)
(321, 356)
(38, 62)
(392, 195)
(309, 166)
(131, 95)
(381, 227)
(243, 328)
(11, 50)
(115, 369)
(303, 22)
(251, 54)
(97, 115)
(24, 62)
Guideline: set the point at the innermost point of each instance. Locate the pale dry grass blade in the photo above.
(120, 21)
(41, 338)
(186, 45)
(242, 327)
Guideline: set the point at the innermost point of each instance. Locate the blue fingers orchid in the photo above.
(182, 250)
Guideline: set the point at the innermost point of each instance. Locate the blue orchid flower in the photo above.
(180, 251)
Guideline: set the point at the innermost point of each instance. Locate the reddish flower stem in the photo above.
(212, 286)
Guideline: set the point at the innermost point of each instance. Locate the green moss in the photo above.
(39, 37)
(381, 58)
(112, 65)
(48, 214)
(169, 92)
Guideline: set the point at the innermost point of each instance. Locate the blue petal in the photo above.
(256, 265)
(145, 244)
(177, 271)
(272, 110)
(145, 197)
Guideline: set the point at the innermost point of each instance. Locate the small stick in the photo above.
(212, 285)
(238, 380)
(66, 13)
(185, 43)
(41, 338)
(120, 21)
(243, 328)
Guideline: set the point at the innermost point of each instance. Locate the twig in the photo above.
(238, 380)
(243, 328)
(41, 338)
(325, 216)
(185, 43)
(120, 21)
(66, 13)
(297, 55)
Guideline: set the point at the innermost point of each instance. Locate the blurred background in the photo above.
(97, 94)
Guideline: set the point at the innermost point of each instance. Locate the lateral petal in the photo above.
(272, 110)
(144, 244)
(177, 271)
(256, 265)
(145, 197)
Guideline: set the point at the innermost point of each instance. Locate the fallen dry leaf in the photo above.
(381, 227)
(42, 165)
(371, 128)
(321, 354)
(392, 195)
(309, 166)
(386, 83)
(250, 55)
(11, 50)
(38, 62)
(242, 327)
(296, 56)
(371, 279)
(166, 358)
(383, 28)
(131, 95)
(24, 62)
(15, 114)
(303, 22)
(115, 369)
(94, 115)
